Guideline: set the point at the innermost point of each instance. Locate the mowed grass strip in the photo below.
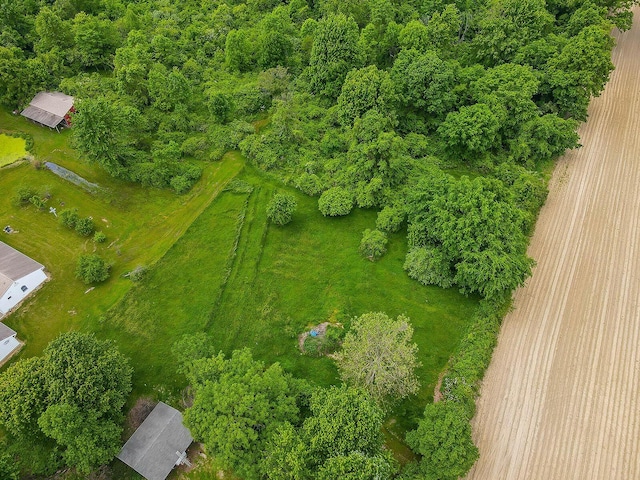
(248, 283)
(11, 149)
(140, 223)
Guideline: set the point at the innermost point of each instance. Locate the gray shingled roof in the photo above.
(48, 108)
(5, 332)
(152, 450)
(13, 266)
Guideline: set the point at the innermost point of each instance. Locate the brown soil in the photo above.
(561, 397)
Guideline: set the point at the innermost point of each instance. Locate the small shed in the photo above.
(8, 342)
(51, 109)
(19, 276)
(158, 445)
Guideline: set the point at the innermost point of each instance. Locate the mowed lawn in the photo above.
(248, 283)
(11, 149)
(140, 225)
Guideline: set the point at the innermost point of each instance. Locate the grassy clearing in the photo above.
(11, 149)
(232, 274)
(249, 283)
(140, 224)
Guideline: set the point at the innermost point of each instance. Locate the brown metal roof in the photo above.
(15, 265)
(5, 332)
(48, 108)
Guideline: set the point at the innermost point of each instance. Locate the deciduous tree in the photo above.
(379, 356)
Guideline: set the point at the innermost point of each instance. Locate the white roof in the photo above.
(14, 265)
(53, 102)
(48, 108)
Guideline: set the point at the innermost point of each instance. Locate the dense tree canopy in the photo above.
(73, 394)
(437, 114)
(239, 403)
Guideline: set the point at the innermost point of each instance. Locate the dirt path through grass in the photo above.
(561, 397)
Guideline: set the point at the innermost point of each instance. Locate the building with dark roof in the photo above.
(158, 445)
(51, 109)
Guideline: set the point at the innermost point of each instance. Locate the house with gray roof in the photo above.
(19, 276)
(51, 109)
(158, 445)
(8, 342)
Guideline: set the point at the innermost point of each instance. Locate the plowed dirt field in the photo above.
(561, 398)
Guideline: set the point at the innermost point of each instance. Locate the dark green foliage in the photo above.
(472, 131)
(85, 226)
(425, 83)
(443, 438)
(363, 90)
(340, 439)
(73, 394)
(336, 201)
(22, 397)
(478, 229)
(23, 196)
(390, 219)
(281, 208)
(429, 266)
(343, 420)
(356, 466)
(238, 405)
(373, 244)
(334, 53)
(8, 467)
(69, 217)
(92, 268)
(99, 237)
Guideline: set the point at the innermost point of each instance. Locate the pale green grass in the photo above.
(11, 149)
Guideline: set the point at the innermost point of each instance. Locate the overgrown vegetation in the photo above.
(436, 115)
(73, 394)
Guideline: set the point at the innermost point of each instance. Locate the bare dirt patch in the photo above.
(561, 397)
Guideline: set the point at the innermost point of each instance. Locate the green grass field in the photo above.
(216, 266)
(249, 283)
(11, 149)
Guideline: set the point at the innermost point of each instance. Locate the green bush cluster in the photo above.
(23, 195)
(92, 268)
(373, 244)
(84, 227)
(281, 208)
(335, 202)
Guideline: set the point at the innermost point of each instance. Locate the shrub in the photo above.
(429, 266)
(335, 202)
(92, 269)
(23, 196)
(281, 207)
(85, 227)
(390, 219)
(373, 244)
(137, 273)
(69, 217)
(99, 237)
(38, 202)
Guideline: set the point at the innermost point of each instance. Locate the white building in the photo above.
(19, 276)
(8, 342)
